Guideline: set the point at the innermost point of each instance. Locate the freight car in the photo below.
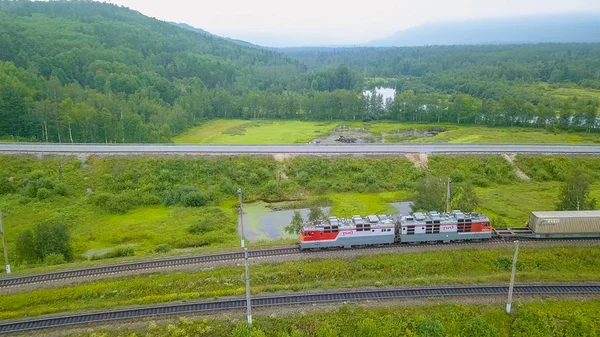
(383, 229)
(557, 225)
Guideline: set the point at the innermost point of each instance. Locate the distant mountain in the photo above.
(203, 32)
(555, 28)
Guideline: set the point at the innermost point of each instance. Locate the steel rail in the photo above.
(158, 264)
(138, 266)
(294, 299)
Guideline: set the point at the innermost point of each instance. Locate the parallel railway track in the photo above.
(139, 266)
(158, 264)
(304, 298)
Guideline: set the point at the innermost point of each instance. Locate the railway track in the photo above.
(139, 266)
(304, 298)
(159, 264)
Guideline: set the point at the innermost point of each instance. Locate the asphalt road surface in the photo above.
(293, 149)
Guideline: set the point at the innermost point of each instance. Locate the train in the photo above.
(420, 227)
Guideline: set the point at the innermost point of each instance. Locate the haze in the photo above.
(286, 23)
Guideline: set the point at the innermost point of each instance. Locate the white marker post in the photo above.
(512, 278)
(4, 245)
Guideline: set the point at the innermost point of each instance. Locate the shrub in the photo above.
(479, 327)
(43, 193)
(530, 324)
(54, 258)
(6, 186)
(53, 238)
(430, 327)
(111, 203)
(194, 199)
(121, 203)
(47, 239)
(25, 247)
(162, 248)
(61, 189)
(115, 252)
(35, 181)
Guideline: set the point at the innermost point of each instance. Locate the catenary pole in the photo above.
(512, 278)
(248, 303)
(4, 245)
(448, 196)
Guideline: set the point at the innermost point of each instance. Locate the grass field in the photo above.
(349, 186)
(255, 132)
(427, 268)
(565, 318)
(290, 132)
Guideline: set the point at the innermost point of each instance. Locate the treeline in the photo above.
(570, 113)
(553, 63)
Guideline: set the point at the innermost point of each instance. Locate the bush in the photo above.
(194, 199)
(430, 327)
(121, 203)
(47, 239)
(111, 203)
(162, 248)
(6, 186)
(115, 252)
(61, 189)
(187, 196)
(479, 327)
(35, 181)
(54, 258)
(43, 193)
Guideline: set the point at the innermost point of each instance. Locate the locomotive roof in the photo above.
(374, 221)
(435, 217)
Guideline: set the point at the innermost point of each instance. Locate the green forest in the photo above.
(81, 71)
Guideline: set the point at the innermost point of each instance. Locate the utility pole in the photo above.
(248, 303)
(60, 172)
(512, 278)
(4, 245)
(208, 184)
(448, 196)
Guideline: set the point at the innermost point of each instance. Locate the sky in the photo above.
(281, 23)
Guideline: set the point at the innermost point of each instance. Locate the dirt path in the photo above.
(511, 159)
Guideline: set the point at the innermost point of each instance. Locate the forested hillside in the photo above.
(81, 71)
(556, 85)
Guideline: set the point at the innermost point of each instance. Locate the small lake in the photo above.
(383, 91)
(262, 223)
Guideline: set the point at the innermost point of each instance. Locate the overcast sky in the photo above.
(322, 22)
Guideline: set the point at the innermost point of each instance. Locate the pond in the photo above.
(262, 223)
(383, 91)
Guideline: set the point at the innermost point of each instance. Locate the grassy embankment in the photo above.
(290, 132)
(568, 318)
(237, 131)
(426, 268)
(132, 213)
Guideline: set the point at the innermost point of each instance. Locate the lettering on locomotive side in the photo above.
(347, 233)
(447, 228)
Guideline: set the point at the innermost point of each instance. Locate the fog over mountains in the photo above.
(557, 28)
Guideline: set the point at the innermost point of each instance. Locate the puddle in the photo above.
(261, 223)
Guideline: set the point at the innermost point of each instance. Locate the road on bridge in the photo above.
(294, 149)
